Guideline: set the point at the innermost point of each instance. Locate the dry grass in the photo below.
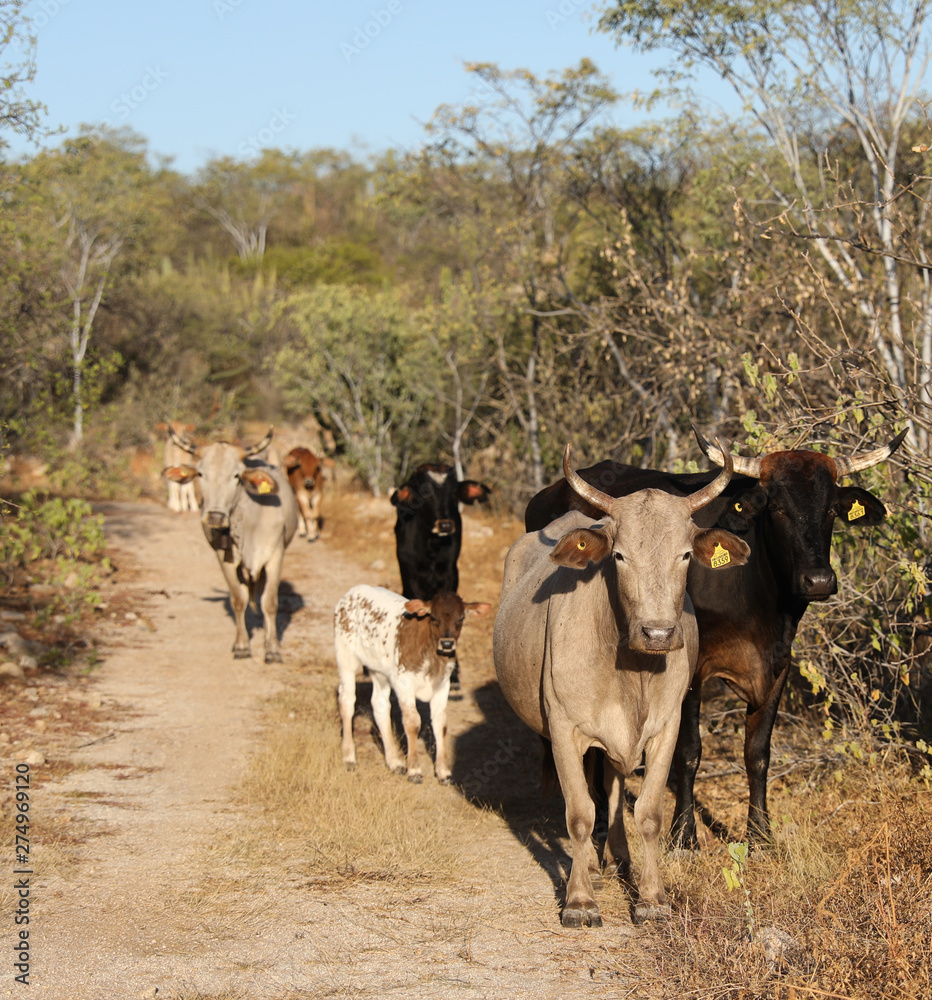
(336, 824)
(848, 881)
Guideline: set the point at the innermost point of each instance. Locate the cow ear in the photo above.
(402, 495)
(258, 483)
(719, 549)
(856, 506)
(418, 608)
(478, 608)
(580, 547)
(469, 491)
(180, 473)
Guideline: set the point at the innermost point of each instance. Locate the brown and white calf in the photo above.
(306, 475)
(409, 647)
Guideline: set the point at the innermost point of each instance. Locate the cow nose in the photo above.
(447, 645)
(817, 584)
(216, 519)
(444, 527)
(658, 636)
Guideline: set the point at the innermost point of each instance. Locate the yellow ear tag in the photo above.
(720, 556)
(265, 487)
(738, 507)
(857, 510)
(580, 545)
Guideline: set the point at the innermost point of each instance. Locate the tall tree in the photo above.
(516, 138)
(825, 80)
(89, 195)
(18, 112)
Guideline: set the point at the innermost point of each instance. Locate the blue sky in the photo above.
(201, 78)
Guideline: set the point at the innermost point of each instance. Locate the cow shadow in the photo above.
(498, 765)
(289, 602)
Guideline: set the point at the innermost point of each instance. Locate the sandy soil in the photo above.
(134, 809)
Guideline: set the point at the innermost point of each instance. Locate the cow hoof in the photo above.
(415, 778)
(581, 916)
(398, 769)
(271, 657)
(448, 780)
(651, 911)
(350, 765)
(242, 654)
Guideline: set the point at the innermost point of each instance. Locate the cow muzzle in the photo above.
(655, 637)
(446, 647)
(817, 584)
(444, 527)
(216, 519)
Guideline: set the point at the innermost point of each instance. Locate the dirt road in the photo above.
(137, 902)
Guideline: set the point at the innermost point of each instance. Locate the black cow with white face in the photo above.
(784, 505)
(429, 529)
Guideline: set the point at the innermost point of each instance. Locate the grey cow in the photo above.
(249, 516)
(595, 645)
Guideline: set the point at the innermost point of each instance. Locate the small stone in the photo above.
(28, 662)
(12, 616)
(34, 757)
(10, 669)
(775, 944)
(131, 616)
(378, 565)
(71, 581)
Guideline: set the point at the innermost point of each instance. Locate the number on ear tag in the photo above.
(720, 556)
(857, 510)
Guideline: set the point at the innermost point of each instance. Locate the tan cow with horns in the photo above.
(595, 646)
(248, 516)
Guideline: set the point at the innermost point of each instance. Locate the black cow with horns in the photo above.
(784, 505)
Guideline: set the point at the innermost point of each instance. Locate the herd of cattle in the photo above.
(630, 589)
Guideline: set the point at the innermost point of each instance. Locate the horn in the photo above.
(847, 466)
(743, 466)
(254, 449)
(708, 493)
(182, 444)
(597, 498)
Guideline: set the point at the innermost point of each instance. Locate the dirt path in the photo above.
(131, 914)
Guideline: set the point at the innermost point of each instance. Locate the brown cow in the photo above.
(306, 475)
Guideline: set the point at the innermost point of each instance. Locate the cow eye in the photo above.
(686, 556)
(619, 557)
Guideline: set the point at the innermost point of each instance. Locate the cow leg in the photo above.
(313, 518)
(580, 907)
(273, 574)
(757, 735)
(411, 720)
(382, 711)
(188, 497)
(686, 758)
(438, 723)
(301, 499)
(239, 598)
(617, 856)
(648, 815)
(347, 666)
(174, 496)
